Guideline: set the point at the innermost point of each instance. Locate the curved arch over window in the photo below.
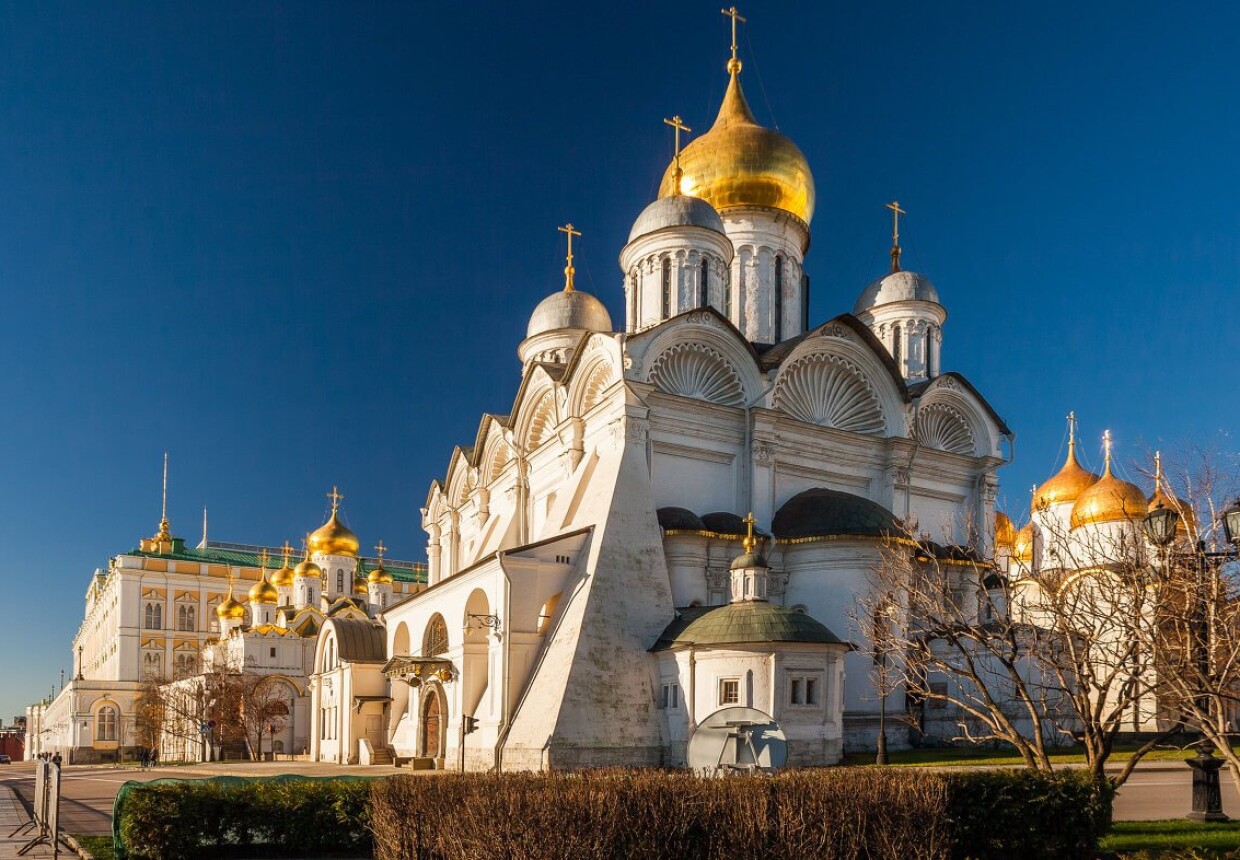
(105, 723)
(186, 617)
(153, 616)
(435, 640)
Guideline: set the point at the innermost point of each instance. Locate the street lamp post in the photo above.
(1160, 527)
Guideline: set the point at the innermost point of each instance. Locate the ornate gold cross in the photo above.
(679, 125)
(750, 541)
(896, 212)
(569, 271)
(735, 16)
(287, 551)
(335, 496)
(381, 549)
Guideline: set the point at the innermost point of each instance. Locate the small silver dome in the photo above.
(569, 309)
(897, 287)
(677, 210)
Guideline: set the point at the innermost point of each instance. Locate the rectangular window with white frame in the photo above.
(729, 691)
(669, 697)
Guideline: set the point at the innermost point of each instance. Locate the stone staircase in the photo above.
(384, 755)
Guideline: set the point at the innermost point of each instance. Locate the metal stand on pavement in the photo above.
(46, 818)
(1207, 793)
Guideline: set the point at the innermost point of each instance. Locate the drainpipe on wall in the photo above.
(505, 664)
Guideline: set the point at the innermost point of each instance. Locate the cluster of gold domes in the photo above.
(740, 164)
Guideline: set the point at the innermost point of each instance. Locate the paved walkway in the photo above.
(12, 816)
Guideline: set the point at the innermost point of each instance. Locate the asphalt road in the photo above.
(1158, 790)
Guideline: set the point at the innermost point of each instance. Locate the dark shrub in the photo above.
(285, 816)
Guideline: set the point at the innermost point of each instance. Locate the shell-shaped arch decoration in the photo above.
(696, 370)
(596, 383)
(542, 421)
(944, 427)
(831, 391)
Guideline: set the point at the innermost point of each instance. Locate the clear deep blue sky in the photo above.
(297, 244)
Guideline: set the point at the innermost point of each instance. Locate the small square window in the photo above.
(729, 691)
(804, 689)
(273, 652)
(669, 696)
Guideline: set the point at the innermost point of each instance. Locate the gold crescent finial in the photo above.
(569, 271)
(896, 212)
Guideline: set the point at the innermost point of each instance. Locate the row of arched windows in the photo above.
(153, 617)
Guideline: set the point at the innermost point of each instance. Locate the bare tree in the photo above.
(1044, 658)
(264, 709)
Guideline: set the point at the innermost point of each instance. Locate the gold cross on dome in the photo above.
(380, 549)
(896, 212)
(335, 496)
(262, 558)
(750, 541)
(679, 125)
(569, 271)
(735, 16)
(287, 551)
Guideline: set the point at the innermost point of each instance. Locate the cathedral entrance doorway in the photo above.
(434, 716)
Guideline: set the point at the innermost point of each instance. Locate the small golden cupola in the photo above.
(334, 537)
(739, 164)
(307, 569)
(1005, 532)
(380, 575)
(283, 578)
(1109, 499)
(263, 591)
(1022, 544)
(1069, 482)
(230, 609)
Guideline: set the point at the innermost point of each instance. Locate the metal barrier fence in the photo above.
(46, 819)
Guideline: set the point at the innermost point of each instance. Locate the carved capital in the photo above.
(763, 451)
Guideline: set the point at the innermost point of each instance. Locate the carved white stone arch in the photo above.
(458, 478)
(946, 393)
(942, 426)
(541, 421)
(692, 369)
(705, 339)
(828, 389)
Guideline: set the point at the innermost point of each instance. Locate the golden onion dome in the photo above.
(1109, 500)
(359, 586)
(230, 610)
(283, 577)
(1067, 485)
(740, 164)
(380, 576)
(1022, 544)
(264, 592)
(308, 569)
(1005, 532)
(334, 538)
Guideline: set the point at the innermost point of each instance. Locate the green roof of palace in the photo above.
(401, 571)
(741, 623)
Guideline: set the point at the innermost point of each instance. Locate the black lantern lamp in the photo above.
(1161, 523)
(1231, 522)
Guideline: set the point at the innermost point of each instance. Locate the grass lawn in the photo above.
(99, 846)
(978, 756)
(1208, 840)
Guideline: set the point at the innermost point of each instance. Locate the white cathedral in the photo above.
(594, 588)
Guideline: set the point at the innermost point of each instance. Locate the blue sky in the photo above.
(296, 244)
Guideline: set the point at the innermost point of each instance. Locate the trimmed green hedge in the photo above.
(836, 813)
(287, 816)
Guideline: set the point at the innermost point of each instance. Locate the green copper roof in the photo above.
(401, 572)
(742, 623)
